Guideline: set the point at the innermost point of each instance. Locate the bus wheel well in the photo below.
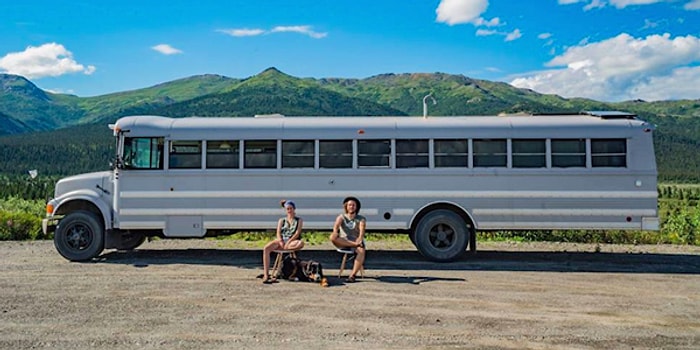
(80, 205)
(438, 206)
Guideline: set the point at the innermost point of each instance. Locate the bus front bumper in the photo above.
(48, 225)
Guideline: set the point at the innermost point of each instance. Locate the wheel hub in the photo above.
(442, 236)
(77, 237)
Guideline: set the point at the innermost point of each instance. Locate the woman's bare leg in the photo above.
(359, 260)
(274, 245)
(295, 245)
(341, 242)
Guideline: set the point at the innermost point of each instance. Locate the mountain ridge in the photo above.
(31, 109)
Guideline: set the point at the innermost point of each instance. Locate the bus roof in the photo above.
(277, 126)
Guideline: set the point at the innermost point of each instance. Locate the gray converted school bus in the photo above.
(437, 179)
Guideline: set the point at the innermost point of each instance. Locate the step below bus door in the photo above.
(184, 226)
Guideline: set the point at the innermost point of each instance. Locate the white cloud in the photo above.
(166, 49)
(464, 11)
(692, 5)
(514, 35)
(486, 32)
(621, 4)
(648, 24)
(305, 30)
(623, 68)
(493, 22)
(242, 32)
(544, 36)
(681, 83)
(48, 60)
(624, 3)
(594, 4)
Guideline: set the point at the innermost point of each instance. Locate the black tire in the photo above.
(412, 237)
(442, 235)
(79, 236)
(131, 241)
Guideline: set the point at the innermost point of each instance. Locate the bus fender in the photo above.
(428, 207)
(65, 205)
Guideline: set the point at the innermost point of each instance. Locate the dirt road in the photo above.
(198, 294)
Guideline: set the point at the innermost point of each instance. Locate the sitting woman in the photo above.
(349, 232)
(288, 237)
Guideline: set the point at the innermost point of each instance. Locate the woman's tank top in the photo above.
(350, 228)
(289, 228)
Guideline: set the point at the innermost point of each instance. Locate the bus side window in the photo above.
(335, 154)
(529, 153)
(373, 153)
(185, 155)
(412, 153)
(222, 155)
(451, 153)
(260, 154)
(490, 153)
(298, 154)
(568, 153)
(609, 152)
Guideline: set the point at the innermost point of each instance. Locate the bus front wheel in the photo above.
(441, 235)
(79, 236)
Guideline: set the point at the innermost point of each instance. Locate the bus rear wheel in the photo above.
(79, 236)
(441, 235)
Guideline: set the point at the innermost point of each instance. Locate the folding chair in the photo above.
(278, 260)
(351, 253)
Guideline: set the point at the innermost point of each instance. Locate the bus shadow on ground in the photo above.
(405, 260)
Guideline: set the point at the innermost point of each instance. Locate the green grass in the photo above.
(310, 238)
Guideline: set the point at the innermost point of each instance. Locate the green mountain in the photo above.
(32, 108)
(455, 95)
(11, 125)
(46, 124)
(275, 92)
(113, 106)
(38, 110)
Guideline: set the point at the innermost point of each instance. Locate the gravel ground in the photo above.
(203, 294)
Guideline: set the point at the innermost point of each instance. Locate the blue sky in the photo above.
(609, 50)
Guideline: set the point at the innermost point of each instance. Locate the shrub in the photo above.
(682, 225)
(19, 226)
